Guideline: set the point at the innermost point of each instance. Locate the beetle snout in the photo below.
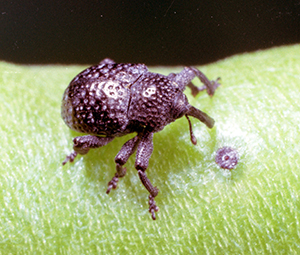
(203, 117)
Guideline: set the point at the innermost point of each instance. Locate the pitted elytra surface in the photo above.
(151, 101)
(110, 100)
(96, 101)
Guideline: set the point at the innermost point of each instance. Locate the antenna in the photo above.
(193, 138)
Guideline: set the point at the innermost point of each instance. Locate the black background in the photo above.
(167, 32)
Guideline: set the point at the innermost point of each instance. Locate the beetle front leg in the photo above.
(82, 144)
(126, 151)
(185, 77)
(143, 155)
(107, 61)
(210, 86)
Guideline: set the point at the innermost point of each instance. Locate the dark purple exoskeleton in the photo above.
(111, 100)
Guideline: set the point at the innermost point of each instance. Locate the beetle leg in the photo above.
(185, 77)
(82, 144)
(126, 151)
(107, 61)
(194, 89)
(153, 193)
(210, 86)
(143, 155)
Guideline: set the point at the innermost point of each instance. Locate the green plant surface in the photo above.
(47, 208)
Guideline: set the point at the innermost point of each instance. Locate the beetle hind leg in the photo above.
(82, 145)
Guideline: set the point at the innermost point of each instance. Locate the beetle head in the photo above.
(182, 107)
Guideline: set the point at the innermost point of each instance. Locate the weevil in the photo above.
(111, 100)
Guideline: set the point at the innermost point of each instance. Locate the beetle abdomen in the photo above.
(96, 101)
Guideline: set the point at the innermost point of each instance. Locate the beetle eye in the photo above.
(180, 107)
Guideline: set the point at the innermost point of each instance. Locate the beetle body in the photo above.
(111, 100)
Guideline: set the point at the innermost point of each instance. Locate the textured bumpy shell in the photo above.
(116, 99)
(152, 99)
(97, 99)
